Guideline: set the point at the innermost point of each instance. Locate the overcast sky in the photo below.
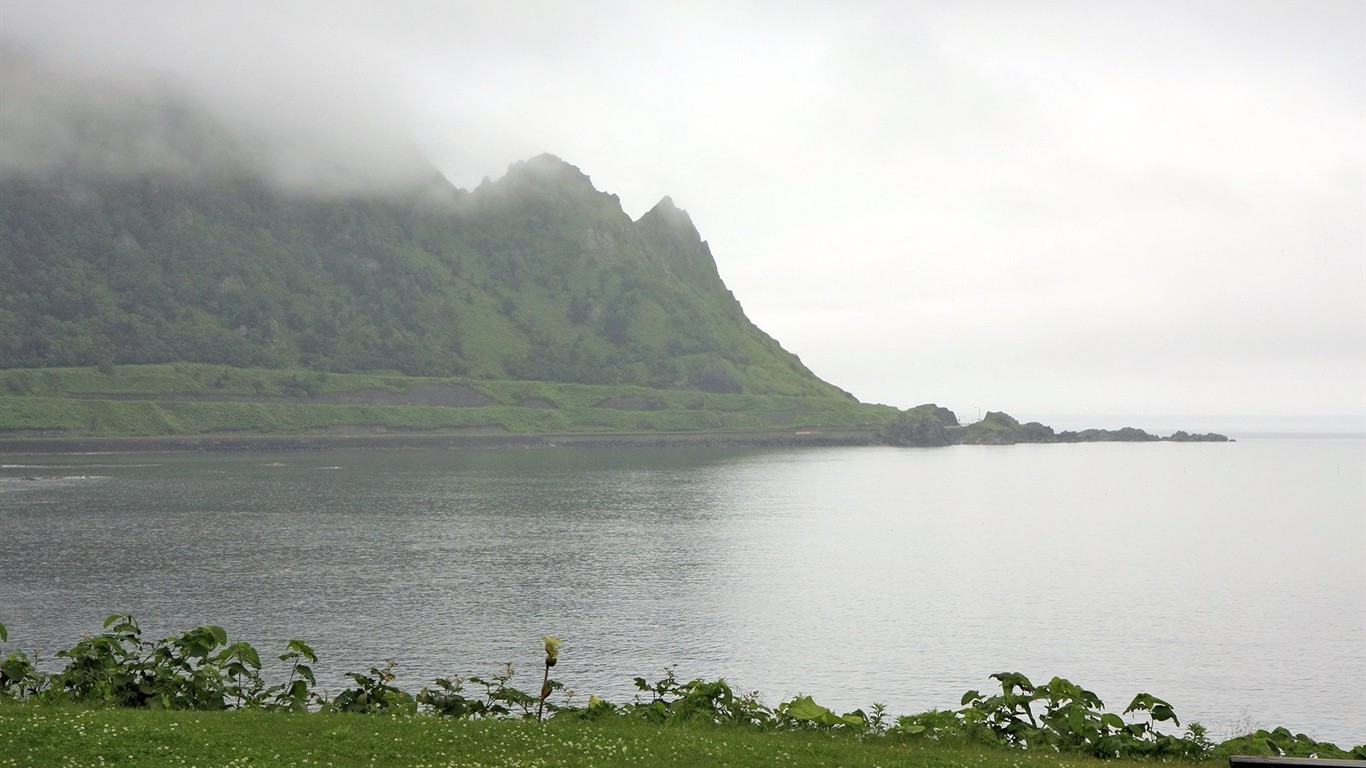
(1045, 208)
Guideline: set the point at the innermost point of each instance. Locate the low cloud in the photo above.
(79, 119)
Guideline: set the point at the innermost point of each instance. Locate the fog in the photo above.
(138, 119)
(1052, 208)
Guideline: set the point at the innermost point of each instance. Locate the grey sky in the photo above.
(1044, 208)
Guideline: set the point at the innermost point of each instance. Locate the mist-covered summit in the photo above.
(142, 223)
(537, 275)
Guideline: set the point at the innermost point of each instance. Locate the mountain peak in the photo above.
(548, 180)
(672, 231)
(670, 218)
(547, 168)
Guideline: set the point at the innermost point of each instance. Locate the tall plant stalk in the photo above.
(552, 656)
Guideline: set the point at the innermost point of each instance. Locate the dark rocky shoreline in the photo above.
(922, 426)
(448, 440)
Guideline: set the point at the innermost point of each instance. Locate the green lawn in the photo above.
(47, 735)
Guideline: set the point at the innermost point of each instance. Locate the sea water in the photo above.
(1228, 579)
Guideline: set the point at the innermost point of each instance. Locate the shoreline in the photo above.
(444, 440)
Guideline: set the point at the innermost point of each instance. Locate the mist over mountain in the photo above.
(125, 122)
(136, 228)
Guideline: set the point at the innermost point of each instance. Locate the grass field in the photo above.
(190, 399)
(47, 735)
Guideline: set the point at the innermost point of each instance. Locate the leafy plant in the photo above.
(877, 719)
(296, 693)
(449, 699)
(1008, 716)
(501, 699)
(19, 677)
(1280, 742)
(706, 700)
(375, 693)
(934, 725)
(184, 673)
(104, 669)
(241, 662)
(1073, 718)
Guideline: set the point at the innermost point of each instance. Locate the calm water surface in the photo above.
(1228, 579)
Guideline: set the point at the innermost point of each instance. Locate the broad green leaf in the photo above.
(1141, 702)
(805, 708)
(857, 717)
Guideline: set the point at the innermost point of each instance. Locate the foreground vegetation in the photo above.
(72, 736)
(197, 698)
(200, 399)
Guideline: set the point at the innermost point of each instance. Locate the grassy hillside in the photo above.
(198, 399)
(537, 276)
(162, 279)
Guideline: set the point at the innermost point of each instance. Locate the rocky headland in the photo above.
(932, 425)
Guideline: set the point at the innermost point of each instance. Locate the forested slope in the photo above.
(535, 276)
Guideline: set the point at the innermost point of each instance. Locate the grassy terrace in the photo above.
(191, 399)
(42, 735)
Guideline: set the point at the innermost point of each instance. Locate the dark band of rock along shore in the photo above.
(392, 441)
(926, 426)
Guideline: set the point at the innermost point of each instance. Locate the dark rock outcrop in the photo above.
(930, 425)
(998, 428)
(1122, 435)
(1181, 436)
(924, 426)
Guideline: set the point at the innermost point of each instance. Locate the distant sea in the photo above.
(1228, 578)
(1233, 425)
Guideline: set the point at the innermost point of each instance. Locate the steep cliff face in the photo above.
(537, 275)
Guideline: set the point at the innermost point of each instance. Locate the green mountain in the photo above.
(166, 273)
(536, 276)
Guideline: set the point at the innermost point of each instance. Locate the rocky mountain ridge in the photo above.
(537, 275)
